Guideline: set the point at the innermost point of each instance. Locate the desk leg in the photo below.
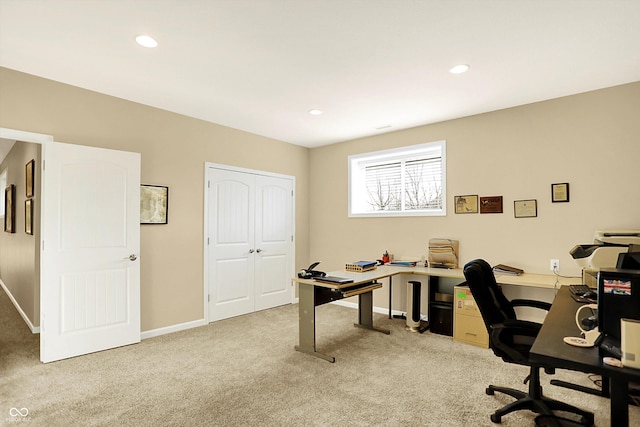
(365, 313)
(390, 292)
(307, 322)
(619, 402)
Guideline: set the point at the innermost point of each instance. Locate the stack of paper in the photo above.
(506, 269)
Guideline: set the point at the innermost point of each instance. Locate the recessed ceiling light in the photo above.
(459, 69)
(146, 41)
(315, 112)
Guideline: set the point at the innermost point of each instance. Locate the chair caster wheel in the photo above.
(496, 418)
(489, 391)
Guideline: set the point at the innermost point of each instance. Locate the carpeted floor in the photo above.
(245, 372)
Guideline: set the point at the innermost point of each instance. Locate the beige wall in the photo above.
(19, 254)
(590, 140)
(174, 149)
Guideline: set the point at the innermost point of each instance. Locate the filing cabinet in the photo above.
(468, 326)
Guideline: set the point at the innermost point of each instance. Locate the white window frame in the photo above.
(357, 205)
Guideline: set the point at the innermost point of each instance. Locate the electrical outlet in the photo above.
(555, 265)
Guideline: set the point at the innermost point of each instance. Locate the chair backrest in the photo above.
(494, 306)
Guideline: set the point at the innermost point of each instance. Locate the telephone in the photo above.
(310, 273)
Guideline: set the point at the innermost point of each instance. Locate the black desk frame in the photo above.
(550, 350)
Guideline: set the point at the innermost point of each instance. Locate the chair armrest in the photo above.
(521, 327)
(531, 303)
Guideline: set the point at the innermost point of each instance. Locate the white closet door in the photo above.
(274, 241)
(250, 242)
(232, 260)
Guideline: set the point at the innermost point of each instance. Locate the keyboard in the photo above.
(577, 292)
(578, 289)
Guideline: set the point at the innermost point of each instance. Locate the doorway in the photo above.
(249, 240)
(89, 277)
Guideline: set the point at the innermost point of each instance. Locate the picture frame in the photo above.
(525, 208)
(466, 204)
(28, 216)
(154, 204)
(560, 192)
(29, 177)
(490, 204)
(10, 209)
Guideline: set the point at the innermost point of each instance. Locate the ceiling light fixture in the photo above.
(146, 41)
(315, 112)
(459, 69)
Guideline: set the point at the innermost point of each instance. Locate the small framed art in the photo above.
(10, 209)
(28, 216)
(154, 204)
(525, 208)
(466, 204)
(560, 192)
(28, 172)
(491, 204)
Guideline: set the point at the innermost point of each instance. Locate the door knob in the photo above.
(258, 250)
(251, 251)
(133, 257)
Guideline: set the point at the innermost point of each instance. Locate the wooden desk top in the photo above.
(548, 281)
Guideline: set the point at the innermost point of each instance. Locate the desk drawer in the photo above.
(464, 302)
(470, 330)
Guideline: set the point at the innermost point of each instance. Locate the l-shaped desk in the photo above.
(313, 293)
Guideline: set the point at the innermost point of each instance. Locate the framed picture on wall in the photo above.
(525, 208)
(466, 204)
(28, 216)
(10, 209)
(560, 192)
(154, 204)
(29, 170)
(490, 204)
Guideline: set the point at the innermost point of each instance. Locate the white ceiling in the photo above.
(260, 65)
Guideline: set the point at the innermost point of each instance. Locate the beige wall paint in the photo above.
(590, 140)
(174, 149)
(19, 254)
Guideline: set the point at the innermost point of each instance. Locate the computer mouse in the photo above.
(590, 295)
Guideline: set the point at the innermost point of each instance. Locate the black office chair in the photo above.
(511, 339)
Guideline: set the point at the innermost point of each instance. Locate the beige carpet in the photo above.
(245, 372)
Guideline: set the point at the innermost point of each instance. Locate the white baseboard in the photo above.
(33, 329)
(173, 328)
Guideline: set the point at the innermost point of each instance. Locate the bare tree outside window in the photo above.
(405, 181)
(382, 197)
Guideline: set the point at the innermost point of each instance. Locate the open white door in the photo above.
(90, 284)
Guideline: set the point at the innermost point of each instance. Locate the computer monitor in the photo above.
(618, 297)
(629, 260)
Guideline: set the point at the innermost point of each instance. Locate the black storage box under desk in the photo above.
(441, 318)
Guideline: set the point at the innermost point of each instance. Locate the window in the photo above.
(407, 181)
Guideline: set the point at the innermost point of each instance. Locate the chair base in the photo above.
(535, 401)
